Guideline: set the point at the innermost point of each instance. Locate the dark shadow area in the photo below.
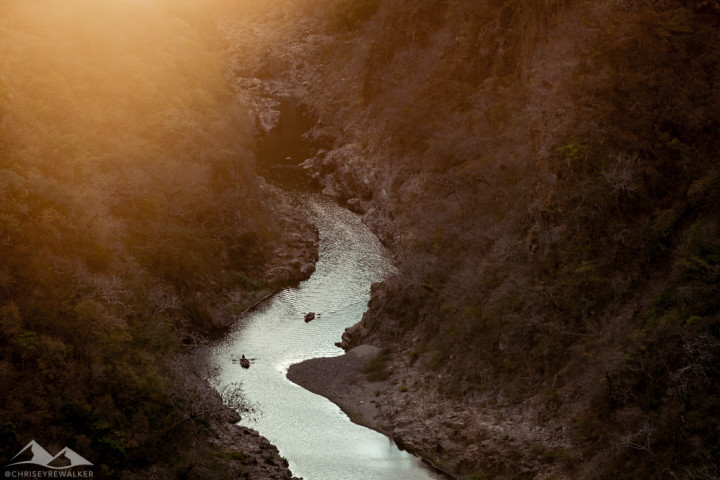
(280, 152)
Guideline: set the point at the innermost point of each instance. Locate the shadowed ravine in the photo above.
(315, 436)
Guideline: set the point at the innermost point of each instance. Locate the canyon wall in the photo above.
(546, 176)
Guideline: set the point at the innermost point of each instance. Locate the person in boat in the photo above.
(244, 362)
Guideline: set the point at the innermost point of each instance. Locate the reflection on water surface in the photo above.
(314, 435)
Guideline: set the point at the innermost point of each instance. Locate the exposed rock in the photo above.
(236, 451)
(251, 455)
(342, 173)
(356, 205)
(266, 113)
(340, 380)
(295, 253)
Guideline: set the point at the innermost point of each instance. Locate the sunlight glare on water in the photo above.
(316, 437)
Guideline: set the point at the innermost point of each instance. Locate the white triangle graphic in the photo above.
(71, 455)
(41, 457)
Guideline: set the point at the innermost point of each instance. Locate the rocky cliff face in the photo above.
(544, 174)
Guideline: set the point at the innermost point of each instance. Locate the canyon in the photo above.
(544, 175)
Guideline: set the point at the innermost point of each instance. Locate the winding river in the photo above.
(317, 438)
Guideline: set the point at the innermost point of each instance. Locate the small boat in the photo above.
(244, 362)
(309, 316)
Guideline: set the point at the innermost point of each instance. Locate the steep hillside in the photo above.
(130, 220)
(546, 174)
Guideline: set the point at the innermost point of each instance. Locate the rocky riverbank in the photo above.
(341, 379)
(248, 454)
(245, 452)
(348, 382)
(222, 447)
(393, 405)
(292, 258)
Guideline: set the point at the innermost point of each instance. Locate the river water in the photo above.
(317, 438)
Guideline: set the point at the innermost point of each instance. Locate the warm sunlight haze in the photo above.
(360, 239)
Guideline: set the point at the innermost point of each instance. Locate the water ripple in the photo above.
(318, 440)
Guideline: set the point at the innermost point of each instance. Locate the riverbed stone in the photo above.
(340, 379)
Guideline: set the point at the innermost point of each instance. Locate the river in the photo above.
(313, 434)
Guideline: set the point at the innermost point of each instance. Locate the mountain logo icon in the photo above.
(34, 454)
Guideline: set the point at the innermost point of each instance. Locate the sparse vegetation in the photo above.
(377, 369)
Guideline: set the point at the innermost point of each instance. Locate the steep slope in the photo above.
(131, 223)
(546, 174)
